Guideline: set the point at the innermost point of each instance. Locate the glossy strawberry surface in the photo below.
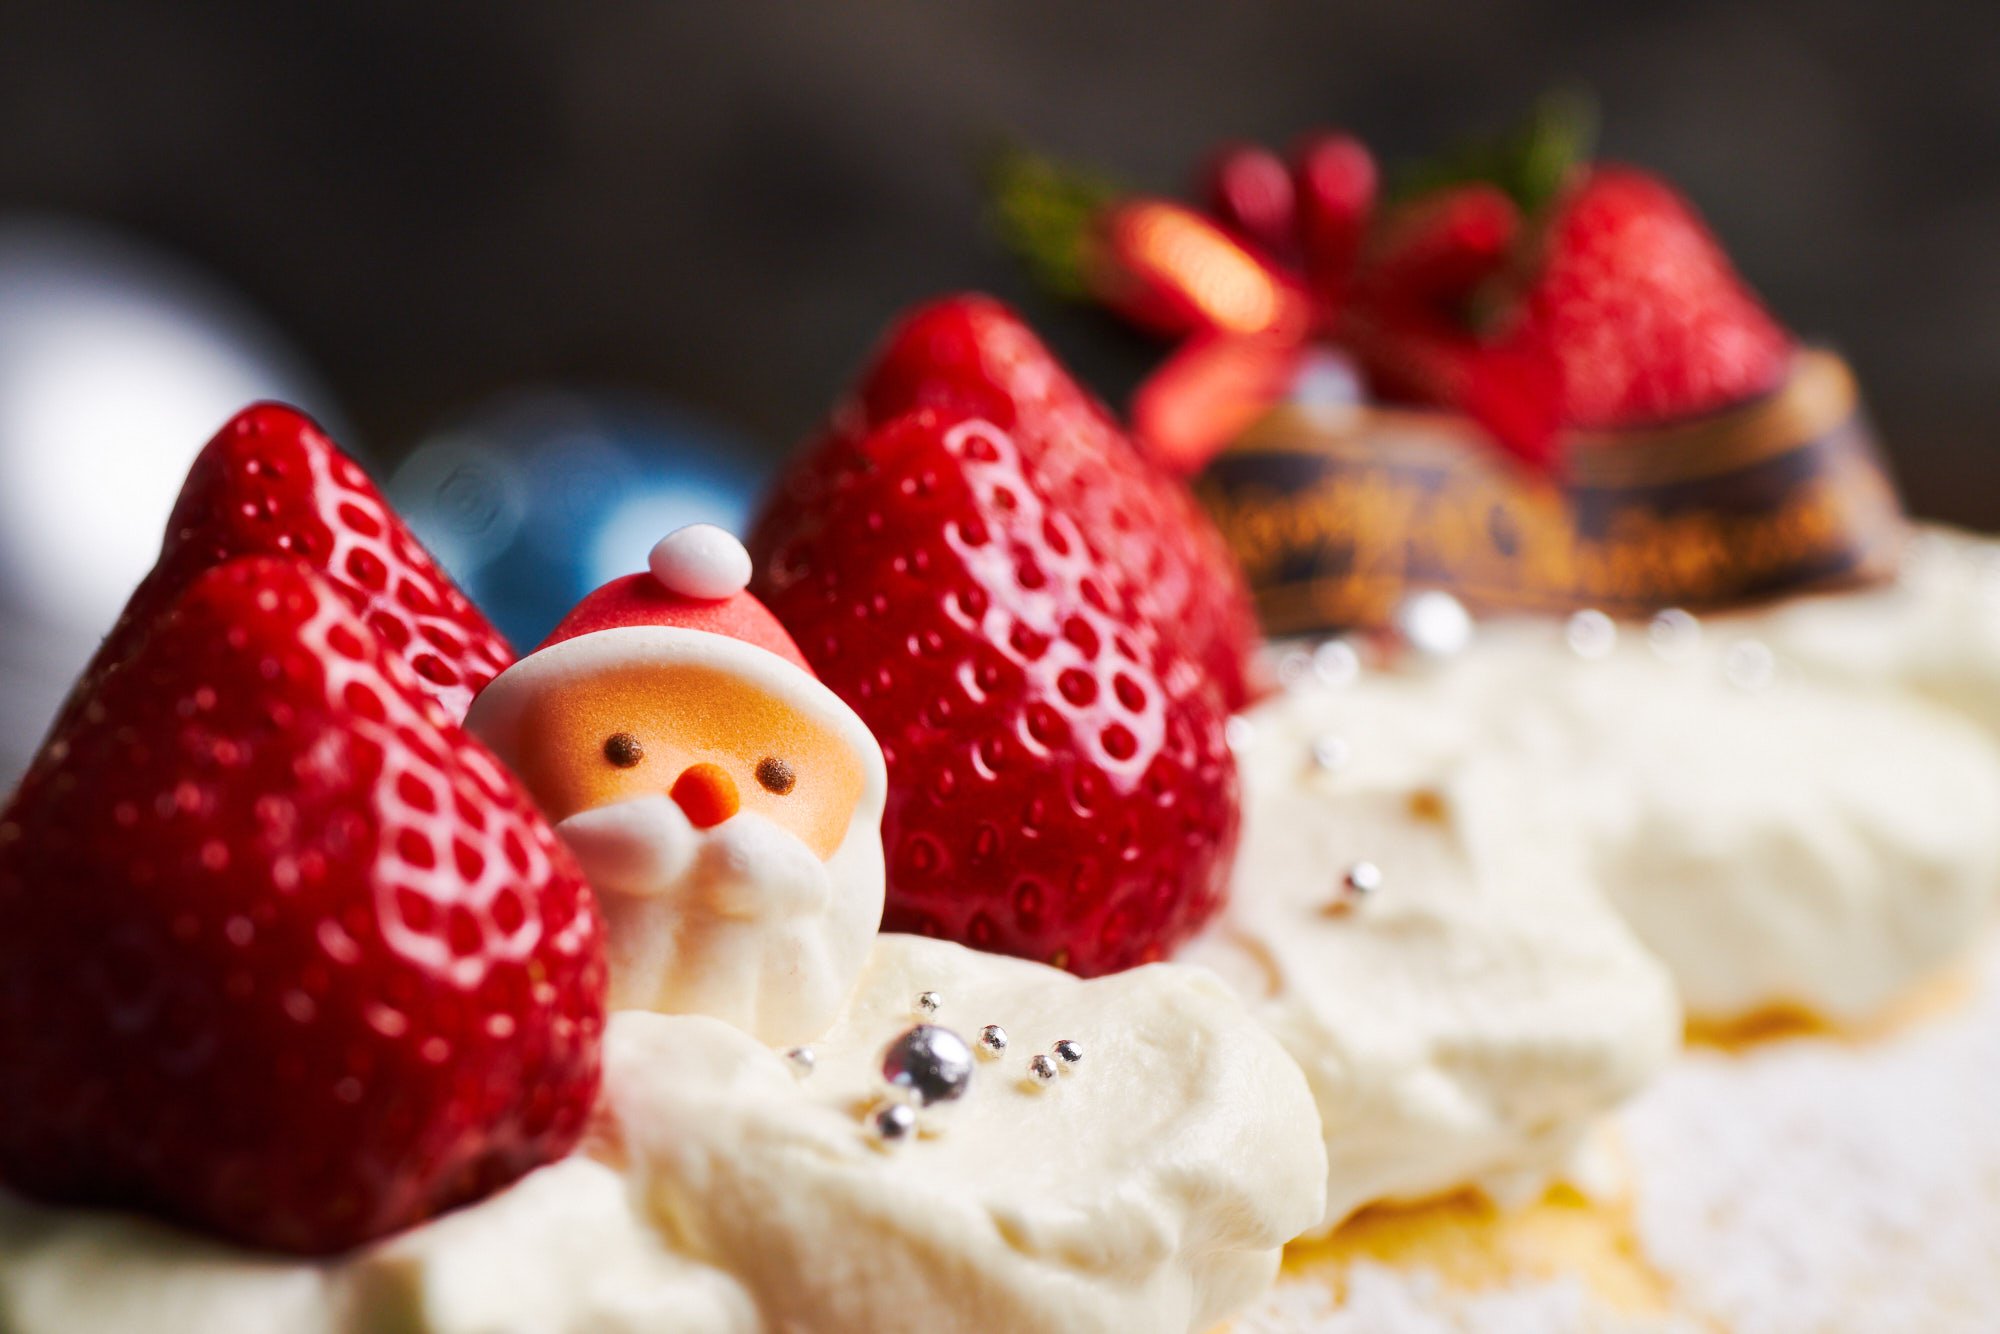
(1640, 310)
(283, 956)
(1059, 784)
(973, 353)
(271, 483)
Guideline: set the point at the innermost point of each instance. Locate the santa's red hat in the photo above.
(696, 579)
(690, 606)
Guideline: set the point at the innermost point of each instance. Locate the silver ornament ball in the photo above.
(1674, 634)
(1591, 634)
(894, 1122)
(1330, 753)
(1433, 624)
(928, 1064)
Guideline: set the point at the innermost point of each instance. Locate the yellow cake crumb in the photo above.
(1472, 1244)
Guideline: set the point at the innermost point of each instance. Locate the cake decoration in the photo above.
(700, 561)
(1661, 439)
(972, 355)
(1432, 624)
(271, 483)
(289, 957)
(894, 1122)
(722, 801)
(1331, 753)
(1361, 880)
(1590, 633)
(928, 1064)
(339, 861)
(1060, 786)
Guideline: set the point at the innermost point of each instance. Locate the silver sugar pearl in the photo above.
(1336, 663)
(1042, 1069)
(1432, 624)
(801, 1060)
(992, 1041)
(1293, 665)
(1361, 880)
(894, 1122)
(1591, 634)
(928, 1065)
(1674, 634)
(1331, 753)
(1068, 1053)
(929, 1002)
(1750, 665)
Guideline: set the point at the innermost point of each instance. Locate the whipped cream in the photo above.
(1780, 842)
(1149, 1188)
(1468, 1020)
(1934, 630)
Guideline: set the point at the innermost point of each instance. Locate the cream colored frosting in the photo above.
(1778, 840)
(1468, 1021)
(1934, 630)
(1149, 1188)
(1803, 845)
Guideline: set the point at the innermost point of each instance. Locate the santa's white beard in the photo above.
(740, 921)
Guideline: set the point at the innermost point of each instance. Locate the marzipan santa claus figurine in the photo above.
(726, 806)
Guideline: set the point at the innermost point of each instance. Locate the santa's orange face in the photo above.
(711, 740)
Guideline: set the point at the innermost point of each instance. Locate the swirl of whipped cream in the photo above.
(1466, 1019)
(1933, 631)
(1782, 842)
(1149, 1188)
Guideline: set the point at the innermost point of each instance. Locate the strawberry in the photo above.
(1639, 309)
(1167, 268)
(271, 483)
(1249, 189)
(1438, 249)
(971, 352)
(1059, 784)
(1208, 393)
(1336, 188)
(283, 956)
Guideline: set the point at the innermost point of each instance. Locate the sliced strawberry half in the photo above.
(283, 956)
(272, 483)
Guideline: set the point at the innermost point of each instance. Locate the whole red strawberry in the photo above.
(1249, 190)
(283, 957)
(1059, 784)
(1639, 309)
(271, 483)
(973, 353)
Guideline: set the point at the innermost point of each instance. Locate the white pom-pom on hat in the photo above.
(701, 561)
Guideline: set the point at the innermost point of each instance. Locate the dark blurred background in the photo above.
(700, 214)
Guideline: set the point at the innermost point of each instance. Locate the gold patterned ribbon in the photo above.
(1336, 513)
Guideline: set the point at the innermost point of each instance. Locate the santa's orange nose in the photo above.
(706, 794)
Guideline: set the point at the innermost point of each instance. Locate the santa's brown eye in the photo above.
(776, 775)
(623, 749)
